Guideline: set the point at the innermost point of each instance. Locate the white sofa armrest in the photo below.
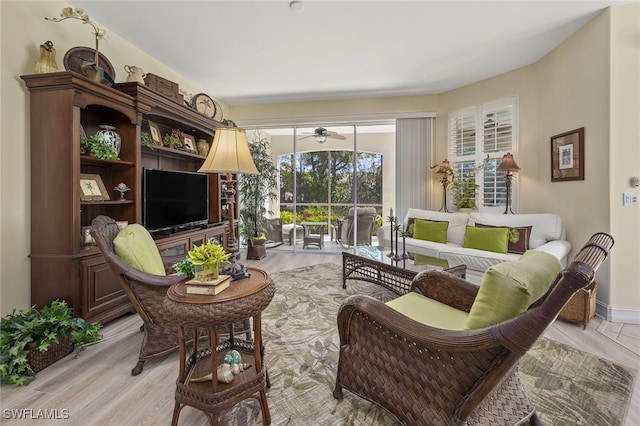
(558, 248)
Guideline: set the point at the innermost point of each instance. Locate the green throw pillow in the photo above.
(489, 239)
(430, 231)
(135, 247)
(509, 288)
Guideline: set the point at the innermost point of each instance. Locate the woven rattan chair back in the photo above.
(145, 291)
(423, 375)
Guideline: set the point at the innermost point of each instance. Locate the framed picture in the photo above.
(567, 156)
(189, 143)
(92, 188)
(154, 132)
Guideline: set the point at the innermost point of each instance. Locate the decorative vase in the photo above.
(203, 147)
(206, 272)
(47, 61)
(109, 136)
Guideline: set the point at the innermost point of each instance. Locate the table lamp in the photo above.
(508, 165)
(230, 154)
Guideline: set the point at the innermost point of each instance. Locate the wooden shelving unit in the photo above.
(63, 103)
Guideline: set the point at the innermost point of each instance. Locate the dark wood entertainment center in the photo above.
(62, 103)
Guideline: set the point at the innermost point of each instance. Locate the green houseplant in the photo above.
(257, 190)
(203, 261)
(464, 192)
(41, 330)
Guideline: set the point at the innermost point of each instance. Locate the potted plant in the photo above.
(255, 192)
(94, 145)
(464, 193)
(173, 139)
(206, 260)
(31, 340)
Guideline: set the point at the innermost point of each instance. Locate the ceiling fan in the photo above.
(321, 134)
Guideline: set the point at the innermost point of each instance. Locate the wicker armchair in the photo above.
(145, 291)
(424, 375)
(366, 219)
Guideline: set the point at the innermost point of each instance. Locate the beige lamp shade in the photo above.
(445, 167)
(508, 164)
(229, 153)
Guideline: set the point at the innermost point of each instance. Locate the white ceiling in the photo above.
(245, 52)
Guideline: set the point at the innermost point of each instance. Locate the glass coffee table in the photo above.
(373, 265)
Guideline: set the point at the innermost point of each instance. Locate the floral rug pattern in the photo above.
(568, 387)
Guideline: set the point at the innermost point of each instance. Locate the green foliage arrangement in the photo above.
(173, 139)
(184, 267)
(145, 139)
(256, 190)
(100, 149)
(464, 193)
(43, 327)
(208, 254)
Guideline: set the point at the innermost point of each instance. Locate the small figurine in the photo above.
(47, 61)
(122, 188)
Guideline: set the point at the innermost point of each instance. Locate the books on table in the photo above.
(212, 287)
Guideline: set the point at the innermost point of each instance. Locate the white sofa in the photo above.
(547, 234)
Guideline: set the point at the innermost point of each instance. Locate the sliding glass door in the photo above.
(325, 176)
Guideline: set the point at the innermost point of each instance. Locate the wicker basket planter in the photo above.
(581, 307)
(41, 360)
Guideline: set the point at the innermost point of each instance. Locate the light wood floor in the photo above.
(97, 389)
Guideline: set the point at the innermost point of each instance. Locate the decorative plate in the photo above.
(204, 104)
(75, 56)
(218, 115)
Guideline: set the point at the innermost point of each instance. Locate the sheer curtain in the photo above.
(414, 156)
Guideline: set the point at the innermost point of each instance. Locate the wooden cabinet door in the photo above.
(104, 298)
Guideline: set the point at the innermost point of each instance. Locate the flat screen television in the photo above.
(174, 200)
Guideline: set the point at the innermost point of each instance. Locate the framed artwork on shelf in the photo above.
(154, 131)
(92, 188)
(189, 143)
(567, 156)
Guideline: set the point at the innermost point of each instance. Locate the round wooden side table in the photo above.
(208, 315)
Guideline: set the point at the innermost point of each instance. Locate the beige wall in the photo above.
(588, 81)
(624, 154)
(23, 29)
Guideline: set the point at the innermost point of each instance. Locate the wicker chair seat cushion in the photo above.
(135, 246)
(509, 288)
(429, 312)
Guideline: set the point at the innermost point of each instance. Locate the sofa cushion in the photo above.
(509, 288)
(489, 239)
(429, 312)
(545, 226)
(520, 243)
(457, 222)
(476, 260)
(430, 231)
(135, 246)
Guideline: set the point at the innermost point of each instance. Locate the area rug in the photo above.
(567, 386)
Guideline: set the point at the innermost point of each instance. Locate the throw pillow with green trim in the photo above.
(135, 246)
(430, 231)
(518, 237)
(509, 288)
(488, 239)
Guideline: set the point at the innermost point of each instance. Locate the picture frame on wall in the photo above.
(189, 143)
(567, 156)
(92, 188)
(154, 132)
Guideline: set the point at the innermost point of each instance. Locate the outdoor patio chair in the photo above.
(426, 374)
(366, 219)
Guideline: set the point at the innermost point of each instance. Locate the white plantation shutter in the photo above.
(478, 138)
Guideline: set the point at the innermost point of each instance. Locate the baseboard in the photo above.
(620, 315)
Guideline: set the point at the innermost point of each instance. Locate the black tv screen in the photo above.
(174, 200)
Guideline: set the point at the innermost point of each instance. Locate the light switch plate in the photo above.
(629, 198)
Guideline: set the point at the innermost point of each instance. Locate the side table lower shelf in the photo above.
(247, 384)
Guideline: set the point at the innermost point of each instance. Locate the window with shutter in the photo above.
(478, 138)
